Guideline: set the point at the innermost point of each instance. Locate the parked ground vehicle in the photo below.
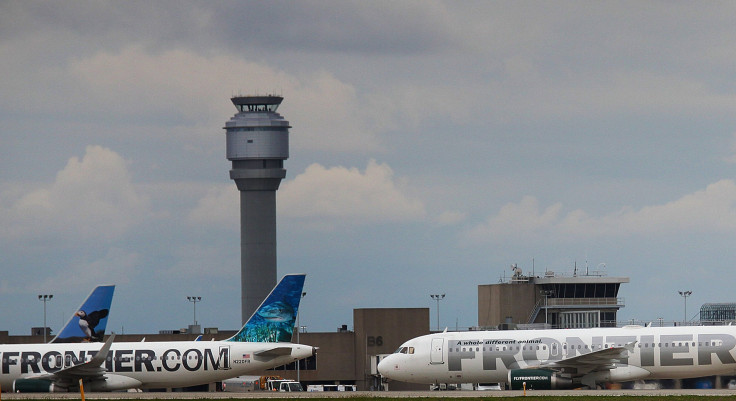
(278, 383)
(331, 387)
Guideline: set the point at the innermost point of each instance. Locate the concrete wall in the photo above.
(335, 358)
(382, 331)
(496, 302)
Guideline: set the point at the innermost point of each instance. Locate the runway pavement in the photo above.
(384, 394)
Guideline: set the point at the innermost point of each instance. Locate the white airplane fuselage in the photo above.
(148, 364)
(489, 356)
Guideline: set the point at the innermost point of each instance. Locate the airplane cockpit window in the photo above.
(403, 350)
(411, 350)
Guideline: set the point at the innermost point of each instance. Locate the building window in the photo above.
(579, 319)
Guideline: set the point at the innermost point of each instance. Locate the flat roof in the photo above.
(579, 280)
(256, 100)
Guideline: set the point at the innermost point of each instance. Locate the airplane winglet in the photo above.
(92, 368)
(100, 357)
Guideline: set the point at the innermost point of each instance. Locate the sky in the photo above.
(433, 145)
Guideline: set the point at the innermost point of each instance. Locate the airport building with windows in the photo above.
(718, 313)
(563, 301)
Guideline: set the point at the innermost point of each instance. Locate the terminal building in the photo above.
(562, 301)
(718, 313)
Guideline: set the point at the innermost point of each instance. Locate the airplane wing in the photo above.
(89, 370)
(93, 368)
(602, 359)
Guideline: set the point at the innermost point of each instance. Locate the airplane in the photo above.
(263, 342)
(89, 321)
(558, 359)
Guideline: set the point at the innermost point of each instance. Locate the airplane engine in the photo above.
(537, 379)
(619, 374)
(112, 383)
(36, 386)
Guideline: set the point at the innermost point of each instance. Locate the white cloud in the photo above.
(132, 86)
(116, 267)
(92, 198)
(179, 82)
(326, 197)
(329, 115)
(450, 217)
(712, 209)
(514, 220)
(219, 206)
(337, 196)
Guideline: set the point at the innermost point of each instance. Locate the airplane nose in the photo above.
(383, 366)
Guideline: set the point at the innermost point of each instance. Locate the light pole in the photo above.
(298, 330)
(685, 294)
(194, 300)
(44, 298)
(438, 298)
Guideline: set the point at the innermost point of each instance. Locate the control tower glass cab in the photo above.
(257, 145)
(257, 132)
(257, 103)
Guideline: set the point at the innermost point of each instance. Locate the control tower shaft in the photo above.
(257, 145)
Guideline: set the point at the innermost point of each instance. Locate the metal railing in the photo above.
(584, 301)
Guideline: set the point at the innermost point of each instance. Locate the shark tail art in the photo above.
(275, 318)
(89, 322)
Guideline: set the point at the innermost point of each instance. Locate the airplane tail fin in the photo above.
(274, 320)
(90, 320)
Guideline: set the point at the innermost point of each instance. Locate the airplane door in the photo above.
(436, 354)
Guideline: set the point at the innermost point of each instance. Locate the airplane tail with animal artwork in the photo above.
(274, 320)
(90, 320)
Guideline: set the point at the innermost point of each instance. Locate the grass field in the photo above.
(529, 397)
(526, 398)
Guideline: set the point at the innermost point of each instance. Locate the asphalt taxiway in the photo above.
(367, 394)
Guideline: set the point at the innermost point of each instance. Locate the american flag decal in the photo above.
(246, 356)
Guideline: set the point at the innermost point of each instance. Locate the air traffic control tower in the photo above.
(257, 145)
